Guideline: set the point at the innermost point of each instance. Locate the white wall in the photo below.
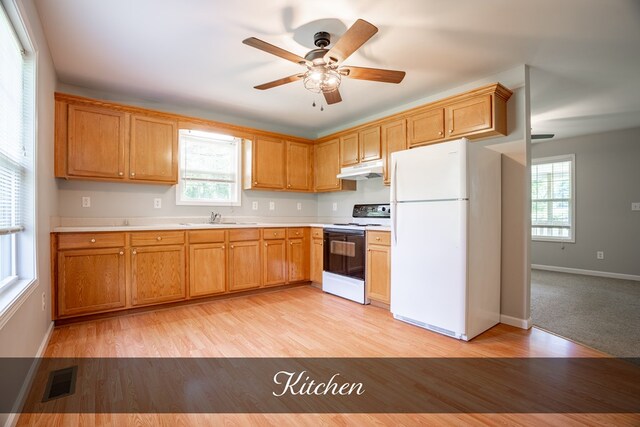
(607, 182)
(24, 332)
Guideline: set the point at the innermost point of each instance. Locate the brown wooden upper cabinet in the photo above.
(327, 167)
(394, 138)
(107, 143)
(267, 163)
(96, 142)
(476, 114)
(153, 149)
(361, 146)
(299, 166)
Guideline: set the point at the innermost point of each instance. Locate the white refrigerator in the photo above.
(445, 237)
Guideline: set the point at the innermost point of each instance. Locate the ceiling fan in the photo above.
(324, 69)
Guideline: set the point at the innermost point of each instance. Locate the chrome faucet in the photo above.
(215, 218)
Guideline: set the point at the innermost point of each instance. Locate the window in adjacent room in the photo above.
(17, 101)
(553, 198)
(209, 169)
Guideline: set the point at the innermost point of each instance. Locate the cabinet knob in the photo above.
(222, 246)
(232, 246)
(158, 238)
(357, 159)
(255, 182)
(120, 173)
(377, 238)
(265, 245)
(450, 130)
(440, 133)
(121, 252)
(297, 233)
(275, 233)
(289, 186)
(92, 240)
(291, 243)
(134, 252)
(133, 174)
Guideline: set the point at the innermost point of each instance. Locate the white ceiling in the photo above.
(584, 54)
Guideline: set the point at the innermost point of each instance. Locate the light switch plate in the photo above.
(86, 202)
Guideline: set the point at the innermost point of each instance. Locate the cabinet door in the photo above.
(349, 150)
(244, 265)
(153, 149)
(268, 163)
(327, 165)
(394, 138)
(378, 273)
(298, 260)
(207, 269)
(316, 260)
(97, 140)
(90, 281)
(299, 166)
(157, 274)
(370, 148)
(469, 116)
(274, 259)
(426, 127)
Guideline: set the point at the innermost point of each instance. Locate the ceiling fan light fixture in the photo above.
(321, 80)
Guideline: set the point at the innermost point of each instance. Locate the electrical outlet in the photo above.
(254, 206)
(157, 203)
(44, 301)
(600, 255)
(635, 206)
(86, 202)
(299, 206)
(335, 206)
(272, 206)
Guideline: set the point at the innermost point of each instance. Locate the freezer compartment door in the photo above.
(429, 265)
(434, 172)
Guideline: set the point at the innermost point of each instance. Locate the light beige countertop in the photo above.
(192, 226)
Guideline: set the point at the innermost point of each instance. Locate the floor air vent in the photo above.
(61, 383)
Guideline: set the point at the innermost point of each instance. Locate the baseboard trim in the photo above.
(514, 321)
(12, 420)
(586, 272)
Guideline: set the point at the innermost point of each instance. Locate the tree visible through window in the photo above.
(209, 169)
(552, 198)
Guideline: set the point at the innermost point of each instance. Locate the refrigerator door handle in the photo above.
(394, 201)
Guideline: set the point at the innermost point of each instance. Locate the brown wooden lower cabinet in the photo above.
(90, 281)
(157, 274)
(316, 260)
(297, 255)
(378, 280)
(244, 265)
(274, 262)
(207, 269)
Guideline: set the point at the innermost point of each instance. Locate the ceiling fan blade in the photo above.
(279, 82)
(332, 97)
(274, 50)
(375, 74)
(351, 41)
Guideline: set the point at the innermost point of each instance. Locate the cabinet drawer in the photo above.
(273, 233)
(206, 236)
(243, 234)
(154, 238)
(295, 233)
(379, 237)
(90, 240)
(317, 233)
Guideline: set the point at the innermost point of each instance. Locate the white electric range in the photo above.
(344, 261)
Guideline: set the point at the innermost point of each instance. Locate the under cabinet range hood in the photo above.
(362, 171)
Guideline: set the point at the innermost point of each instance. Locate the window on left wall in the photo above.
(209, 169)
(17, 175)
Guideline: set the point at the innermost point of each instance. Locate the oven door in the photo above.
(344, 252)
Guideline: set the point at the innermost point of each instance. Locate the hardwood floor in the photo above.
(298, 322)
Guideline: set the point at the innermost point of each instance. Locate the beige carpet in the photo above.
(599, 312)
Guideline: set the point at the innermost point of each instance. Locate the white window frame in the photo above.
(181, 165)
(572, 204)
